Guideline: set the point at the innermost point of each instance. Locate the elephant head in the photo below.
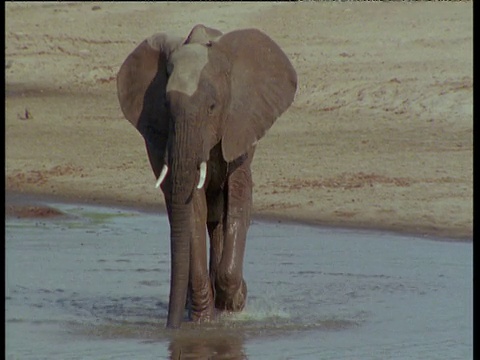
(186, 96)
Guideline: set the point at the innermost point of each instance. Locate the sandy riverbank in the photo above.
(379, 135)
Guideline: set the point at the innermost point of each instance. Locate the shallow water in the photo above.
(95, 286)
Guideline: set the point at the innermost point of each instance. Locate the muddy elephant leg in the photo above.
(215, 232)
(202, 306)
(215, 219)
(231, 289)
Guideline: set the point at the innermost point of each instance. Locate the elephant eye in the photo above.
(211, 108)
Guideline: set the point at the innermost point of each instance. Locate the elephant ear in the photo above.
(141, 84)
(263, 85)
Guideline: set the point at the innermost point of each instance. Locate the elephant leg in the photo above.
(201, 292)
(215, 226)
(215, 232)
(231, 289)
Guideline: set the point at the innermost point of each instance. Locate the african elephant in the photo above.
(201, 104)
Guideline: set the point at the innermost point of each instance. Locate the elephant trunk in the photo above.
(184, 169)
(181, 229)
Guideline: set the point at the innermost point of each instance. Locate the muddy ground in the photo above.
(379, 134)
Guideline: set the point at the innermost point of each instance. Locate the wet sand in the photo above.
(379, 135)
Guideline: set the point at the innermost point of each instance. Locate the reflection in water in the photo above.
(200, 345)
(205, 341)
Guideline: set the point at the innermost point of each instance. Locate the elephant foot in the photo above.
(231, 299)
(199, 302)
(202, 312)
(203, 316)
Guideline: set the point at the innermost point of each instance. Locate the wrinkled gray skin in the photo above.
(207, 98)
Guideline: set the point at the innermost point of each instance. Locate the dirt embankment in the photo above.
(379, 135)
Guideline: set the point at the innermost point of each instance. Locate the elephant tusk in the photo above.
(162, 176)
(203, 175)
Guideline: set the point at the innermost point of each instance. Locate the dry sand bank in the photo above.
(379, 135)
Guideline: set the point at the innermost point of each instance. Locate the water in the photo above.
(95, 285)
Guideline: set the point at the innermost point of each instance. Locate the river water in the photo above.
(95, 284)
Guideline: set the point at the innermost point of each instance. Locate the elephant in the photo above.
(201, 104)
